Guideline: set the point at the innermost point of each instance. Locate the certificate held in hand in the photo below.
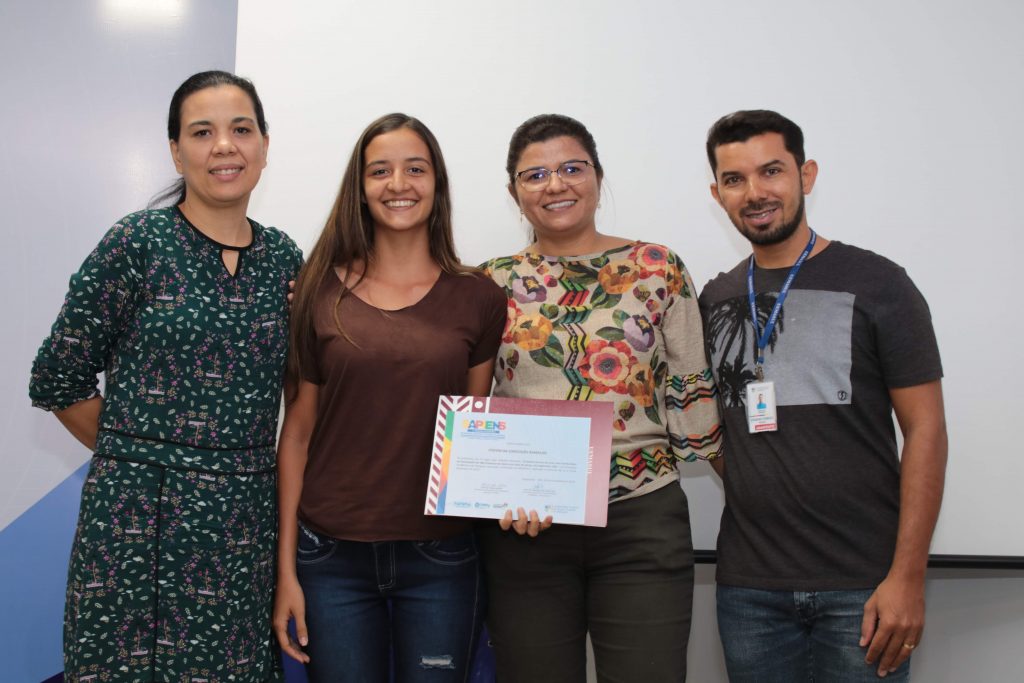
(495, 454)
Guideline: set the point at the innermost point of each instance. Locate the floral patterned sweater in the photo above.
(619, 326)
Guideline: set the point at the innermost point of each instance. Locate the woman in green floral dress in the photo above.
(184, 309)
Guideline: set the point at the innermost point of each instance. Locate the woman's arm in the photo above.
(292, 452)
(479, 379)
(101, 302)
(82, 419)
(694, 425)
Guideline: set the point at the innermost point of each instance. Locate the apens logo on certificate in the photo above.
(493, 454)
(483, 428)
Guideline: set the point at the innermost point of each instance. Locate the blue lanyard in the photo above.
(762, 339)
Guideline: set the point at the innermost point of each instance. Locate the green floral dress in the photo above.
(620, 326)
(172, 570)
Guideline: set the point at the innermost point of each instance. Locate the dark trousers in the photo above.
(629, 584)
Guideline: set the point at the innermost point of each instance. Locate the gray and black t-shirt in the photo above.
(815, 505)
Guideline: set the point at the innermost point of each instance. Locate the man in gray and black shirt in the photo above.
(813, 344)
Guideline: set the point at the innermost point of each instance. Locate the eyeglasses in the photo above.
(571, 172)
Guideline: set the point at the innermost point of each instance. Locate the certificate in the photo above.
(495, 454)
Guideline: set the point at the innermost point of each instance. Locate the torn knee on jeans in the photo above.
(437, 662)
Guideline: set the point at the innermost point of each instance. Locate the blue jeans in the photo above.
(418, 604)
(790, 637)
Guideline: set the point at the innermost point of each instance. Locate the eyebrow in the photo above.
(237, 119)
(767, 164)
(381, 162)
(567, 161)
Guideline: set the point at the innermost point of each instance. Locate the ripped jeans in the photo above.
(416, 606)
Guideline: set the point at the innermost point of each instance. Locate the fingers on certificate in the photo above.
(531, 524)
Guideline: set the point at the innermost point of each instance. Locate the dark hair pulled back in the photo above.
(192, 85)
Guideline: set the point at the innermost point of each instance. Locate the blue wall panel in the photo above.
(33, 570)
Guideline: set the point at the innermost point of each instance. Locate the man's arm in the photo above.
(894, 615)
(718, 465)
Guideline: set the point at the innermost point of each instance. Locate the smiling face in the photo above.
(220, 151)
(399, 181)
(761, 188)
(559, 210)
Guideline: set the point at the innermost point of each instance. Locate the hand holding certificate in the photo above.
(492, 455)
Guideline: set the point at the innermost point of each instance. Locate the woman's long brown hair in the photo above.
(348, 237)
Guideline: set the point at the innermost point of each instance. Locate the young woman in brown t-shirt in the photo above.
(385, 320)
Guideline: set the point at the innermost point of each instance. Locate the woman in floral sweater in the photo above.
(598, 317)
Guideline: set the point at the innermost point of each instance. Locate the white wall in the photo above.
(910, 108)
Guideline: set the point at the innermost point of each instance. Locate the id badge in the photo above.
(761, 412)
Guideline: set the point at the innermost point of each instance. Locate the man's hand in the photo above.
(893, 622)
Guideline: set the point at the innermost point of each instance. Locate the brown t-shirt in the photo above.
(369, 456)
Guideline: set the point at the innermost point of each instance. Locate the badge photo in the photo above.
(761, 410)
